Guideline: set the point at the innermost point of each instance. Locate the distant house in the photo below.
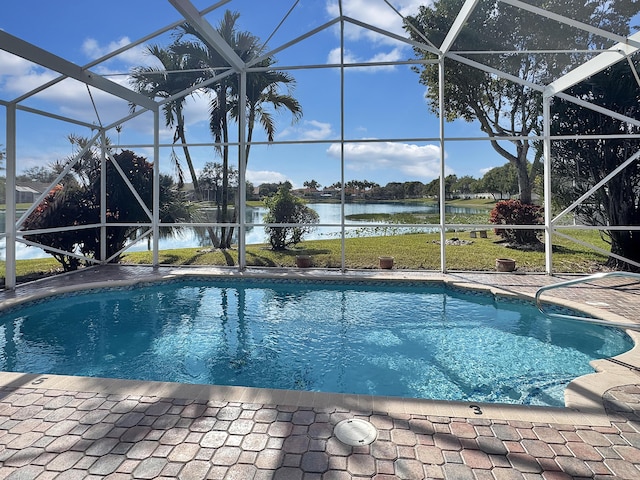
(28, 192)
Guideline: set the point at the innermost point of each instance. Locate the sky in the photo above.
(380, 102)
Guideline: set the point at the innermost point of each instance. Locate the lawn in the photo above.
(411, 251)
(416, 251)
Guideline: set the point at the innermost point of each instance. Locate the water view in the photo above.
(329, 213)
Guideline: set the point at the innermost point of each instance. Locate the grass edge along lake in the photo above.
(411, 251)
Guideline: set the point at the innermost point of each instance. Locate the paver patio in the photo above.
(71, 427)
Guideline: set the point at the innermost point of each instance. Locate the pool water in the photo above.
(381, 339)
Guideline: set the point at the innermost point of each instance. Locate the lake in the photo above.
(329, 214)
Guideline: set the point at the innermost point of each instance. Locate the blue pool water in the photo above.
(379, 339)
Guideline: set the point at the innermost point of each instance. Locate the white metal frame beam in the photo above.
(624, 48)
(46, 59)
(463, 15)
(210, 35)
(615, 54)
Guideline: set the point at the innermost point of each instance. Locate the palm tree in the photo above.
(175, 76)
(262, 88)
(178, 73)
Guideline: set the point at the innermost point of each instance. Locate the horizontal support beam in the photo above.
(46, 59)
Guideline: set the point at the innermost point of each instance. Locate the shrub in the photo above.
(62, 206)
(514, 212)
(77, 204)
(285, 208)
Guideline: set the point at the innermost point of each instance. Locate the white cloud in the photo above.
(133, 56)
(13, 65)
(414, 161)
(484, 171)
(258, 177)
(70, 98)
(376, 13)
(19, 76)
(25, 82)
(308, 130)
(349, 57)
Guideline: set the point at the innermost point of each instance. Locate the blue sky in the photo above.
(381, 102)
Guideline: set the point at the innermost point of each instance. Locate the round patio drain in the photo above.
(355, 432)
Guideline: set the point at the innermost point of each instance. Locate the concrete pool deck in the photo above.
(74, 427)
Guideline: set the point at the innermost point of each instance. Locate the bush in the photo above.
(514, 212)
(77, 204)
(285, 208)
(64, 206)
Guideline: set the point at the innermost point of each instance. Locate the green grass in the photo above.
(27, 270)
(420, 218)
(415, 251)
(472, 202)
(411, 251)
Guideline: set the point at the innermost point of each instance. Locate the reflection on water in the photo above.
(427, 343)
(329, 213)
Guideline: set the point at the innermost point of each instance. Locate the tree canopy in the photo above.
(76, 203)
(504, 108)
(580, 164)
(285, 208)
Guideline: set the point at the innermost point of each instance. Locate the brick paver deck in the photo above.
(104, 431)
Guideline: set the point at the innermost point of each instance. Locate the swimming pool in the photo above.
(376, 338)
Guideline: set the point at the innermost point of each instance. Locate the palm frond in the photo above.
(177, 166)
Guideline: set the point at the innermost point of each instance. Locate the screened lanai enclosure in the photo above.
(390, 127)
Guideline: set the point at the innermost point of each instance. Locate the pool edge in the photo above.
(583, 397)
(296, 398)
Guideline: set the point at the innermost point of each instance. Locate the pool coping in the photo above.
(583, 397)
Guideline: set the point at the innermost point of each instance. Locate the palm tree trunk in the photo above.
(234, 218)
(194, 178)
(225, 241)
(192, 171)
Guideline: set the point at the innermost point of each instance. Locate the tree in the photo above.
(465, 185)
(268, 189)
(579, 164)
(175, 76)
(394, 190)
(77, 203)
(62, 206)
(38, 174)
(311, 185)
(413, 189)
(285, 208)
(264, 95)
(515, 212)
(432, 189)
(502, 107)
(263, 89)
(502, 181)
(449, 186)
(211, 180)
